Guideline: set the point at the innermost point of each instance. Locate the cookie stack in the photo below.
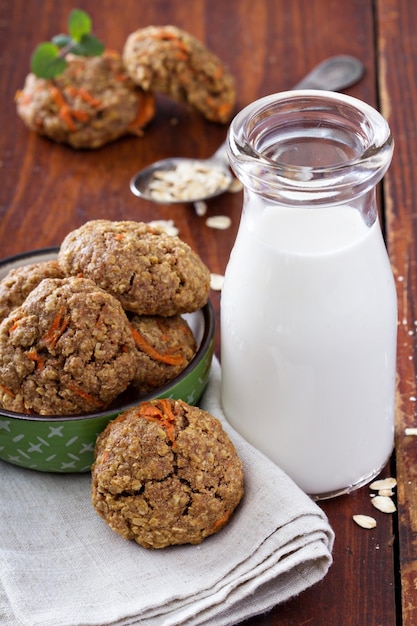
(107, 314)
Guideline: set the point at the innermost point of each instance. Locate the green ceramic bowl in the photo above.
(65, 444)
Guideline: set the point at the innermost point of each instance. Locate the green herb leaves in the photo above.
(48, 60)
(79, 24)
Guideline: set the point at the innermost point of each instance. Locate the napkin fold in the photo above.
(61, 565)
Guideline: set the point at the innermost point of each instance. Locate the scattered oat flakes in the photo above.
(216, 282)
(187, 181)
(167, 226)
(221, 222)
(384, 483)
(365, 521)
(411, 431)
(384, 504)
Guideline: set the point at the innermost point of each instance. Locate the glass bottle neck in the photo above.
(310, 148)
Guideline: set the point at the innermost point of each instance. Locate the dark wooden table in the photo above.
(48, 189)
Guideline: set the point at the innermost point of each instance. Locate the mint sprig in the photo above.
(48, 59)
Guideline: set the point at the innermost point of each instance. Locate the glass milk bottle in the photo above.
(309, 308)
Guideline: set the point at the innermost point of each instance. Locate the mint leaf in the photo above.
(46, 62)
(79, 24)
(88, 46)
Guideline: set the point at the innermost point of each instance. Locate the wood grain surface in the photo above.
(397, 79)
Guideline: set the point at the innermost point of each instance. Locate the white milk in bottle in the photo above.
(308, 310)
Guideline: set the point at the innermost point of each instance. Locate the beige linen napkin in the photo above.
(60, 565)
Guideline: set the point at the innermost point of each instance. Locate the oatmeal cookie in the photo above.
(68, 349)
(20, 281)
(90, 104)
(166, 473)
(170, 60)
(165, 346)
(150, 272)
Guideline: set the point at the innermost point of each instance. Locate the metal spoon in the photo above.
(333, 74)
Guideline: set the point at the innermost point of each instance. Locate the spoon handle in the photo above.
(333, 74)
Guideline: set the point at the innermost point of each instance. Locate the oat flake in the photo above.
(384, 504)
(365, 521)
(384, 483)
(221, 222)
(385, 492)
(200, 207)
(216, 282)
(167, 226)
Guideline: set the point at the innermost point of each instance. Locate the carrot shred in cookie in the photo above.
(222, 521)
(36, 358)
(15, 324)
(142, 344)
(145, 112)
(167, 35)
(83, 94)
(223, 109)
(160, 411)
(80, 115)
(7, 391)
(86, 396)
(63, 108)
(65, 113)
(56, 329)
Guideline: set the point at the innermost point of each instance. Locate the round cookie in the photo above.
(165, 473)
(170, 60)
(90, 104)
(20, 281)
(68, 349)
(150, 272)
(165, 346)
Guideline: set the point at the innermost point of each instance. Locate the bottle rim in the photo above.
(264, 137)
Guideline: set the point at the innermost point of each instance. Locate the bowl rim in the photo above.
(206, 340)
